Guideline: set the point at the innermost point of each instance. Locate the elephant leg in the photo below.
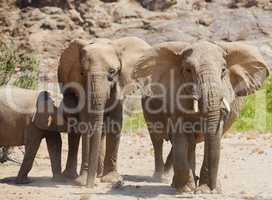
(158, 150)
(71, 165)
(156, 135)
(203, 187)
(31, 148)
(82, 178)
(192, 159)
(113, 136)
(204, 176)
(54, 144)
(182, 179)
(101, 157)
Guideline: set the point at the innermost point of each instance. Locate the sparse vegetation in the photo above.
(133, 122)
(17, 68)
(257, 111)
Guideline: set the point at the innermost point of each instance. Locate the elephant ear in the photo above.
(69, 63)
(160, 59)
(130, 50)
(44, 115)
(247, 67)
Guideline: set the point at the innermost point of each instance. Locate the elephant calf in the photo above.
(27, 116)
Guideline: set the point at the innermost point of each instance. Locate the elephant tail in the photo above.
(169, 161)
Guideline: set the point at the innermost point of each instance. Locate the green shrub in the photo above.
(256, 113)
(17, 68)
(133, 122)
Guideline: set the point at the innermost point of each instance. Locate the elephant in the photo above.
(28, 116)
(196, 92)
(98, 73)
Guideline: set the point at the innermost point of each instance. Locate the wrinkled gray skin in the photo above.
(226, 71)
(26, 128)
(101, 67)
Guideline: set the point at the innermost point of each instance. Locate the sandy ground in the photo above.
(245, 173)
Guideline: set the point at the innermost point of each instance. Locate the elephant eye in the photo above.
(188, 70)
(112, 71)
(224, 72)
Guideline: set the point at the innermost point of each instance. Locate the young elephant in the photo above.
(197, 91)
(27, 116)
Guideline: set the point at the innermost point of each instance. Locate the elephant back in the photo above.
(16, 108)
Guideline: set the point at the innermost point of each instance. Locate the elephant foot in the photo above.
(99, 174)
(111, 177)
(160, 177)
(82, 178)
(22, 180)
(187, 188)
(59, 178)
(205, 189)
(70, 174)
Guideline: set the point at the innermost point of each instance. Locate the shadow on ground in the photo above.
(37, 182)
(142, 188)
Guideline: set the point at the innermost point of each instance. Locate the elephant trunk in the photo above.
(211, 107)
(96, 100)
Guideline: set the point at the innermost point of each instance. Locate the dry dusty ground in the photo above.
(245, 172)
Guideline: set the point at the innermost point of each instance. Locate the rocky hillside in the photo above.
(45, 27)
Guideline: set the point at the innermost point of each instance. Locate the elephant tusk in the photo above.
(34, 116)
(195, 102)
(50, 119)
(226, 104)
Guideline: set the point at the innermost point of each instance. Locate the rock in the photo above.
(205, 20)
(48, 25)
(84, 197)
(199, 4)
(233, 4)
(51, 10)
(257, 151)
(109, 1)
(251, 136)
(23, 3)
(251, 3)
(157, 4)
(126, 10)
(4, 154)
(43, 3)
(75, 16)
(118, 185)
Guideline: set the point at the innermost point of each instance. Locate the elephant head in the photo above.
(47, 115)
(219, 74)
(93, 72)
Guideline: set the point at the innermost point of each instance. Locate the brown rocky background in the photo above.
(46, 26)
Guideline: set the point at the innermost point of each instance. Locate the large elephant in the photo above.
(196, 93)
(28, 116)
(93, 73)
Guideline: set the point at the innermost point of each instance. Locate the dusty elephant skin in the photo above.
(101, 67)
(23, 127)
(219, 76)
